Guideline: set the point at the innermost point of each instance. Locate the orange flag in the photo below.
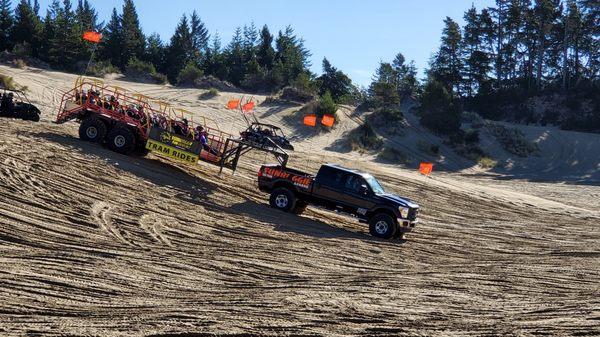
(233, 104)
(93, 37)
(310, 120)
(328, 120)
(248, 107)
(426, 168)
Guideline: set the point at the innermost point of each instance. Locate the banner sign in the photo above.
(174, 146)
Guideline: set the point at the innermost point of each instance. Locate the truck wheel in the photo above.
(283, 199)
(300, 207)
(382, 226)
(121, 140)
(92, 129)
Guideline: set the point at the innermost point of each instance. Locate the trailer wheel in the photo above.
(121, 140)
(283, 199)
(92, 129)
(382, 226)
(300, 207)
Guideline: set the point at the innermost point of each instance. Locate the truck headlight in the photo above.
(403, 212)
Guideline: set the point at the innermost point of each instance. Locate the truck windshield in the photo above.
(375, 186)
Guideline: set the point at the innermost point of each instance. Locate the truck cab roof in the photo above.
(345, 169)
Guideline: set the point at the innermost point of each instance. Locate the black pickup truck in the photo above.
(343, 190)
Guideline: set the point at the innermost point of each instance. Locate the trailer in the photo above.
(129, 122)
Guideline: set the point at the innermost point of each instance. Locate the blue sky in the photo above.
(355, 35)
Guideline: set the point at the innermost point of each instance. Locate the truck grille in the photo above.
(413, 214)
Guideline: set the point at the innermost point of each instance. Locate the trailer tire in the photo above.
(283, 199)
(121, 140)
(300, 207)
(93, 130)
(382, 226)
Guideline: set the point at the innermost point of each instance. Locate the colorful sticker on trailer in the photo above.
(170, 139)
(168, 151)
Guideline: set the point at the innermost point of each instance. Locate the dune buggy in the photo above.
(266, 136)
(15, 104)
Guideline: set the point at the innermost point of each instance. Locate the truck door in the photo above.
(328, 187)
(356, 200)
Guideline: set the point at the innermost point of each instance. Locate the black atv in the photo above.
(265, 135)
(15, 104)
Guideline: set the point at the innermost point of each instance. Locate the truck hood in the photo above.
(404, 202)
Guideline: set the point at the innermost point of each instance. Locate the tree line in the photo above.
(501, 56)
(255, 59)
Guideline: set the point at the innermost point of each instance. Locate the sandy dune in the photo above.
(95, 243)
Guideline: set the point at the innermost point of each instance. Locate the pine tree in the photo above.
(265, 52)
(155, 52)
(406, 77)
(112, 40)
(384, 88)
(235, 58)
(178, 52)
(27, 28)
(545, 15)
(447, 65)
(438, 111)
(291, 57)
(6, 24)
(133, 38)
(199, 35)
(334, 82)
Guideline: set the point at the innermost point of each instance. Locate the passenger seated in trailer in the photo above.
(113, 103)
(181, 128)
(202, 136)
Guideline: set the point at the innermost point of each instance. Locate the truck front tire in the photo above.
(283, 199)
(382, 226)
(93, 130)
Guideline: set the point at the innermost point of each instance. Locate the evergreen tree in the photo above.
(384, 88)
(178, 52)
(235, 58)
(112, 40)
(406, 77)
(546, 12)
(266, 53)
(6, 24)
(447, 65)
(27, 28)
(334, 82)
(291, 57)
(199, 33)
(133, 38)
(438, 111)
(155, 52)
(476, 60)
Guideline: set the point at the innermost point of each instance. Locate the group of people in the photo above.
(183, 128)
(111, 103)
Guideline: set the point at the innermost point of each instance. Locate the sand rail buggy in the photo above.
(15, 104)
(265, 135)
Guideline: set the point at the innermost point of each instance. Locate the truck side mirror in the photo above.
(364, 190)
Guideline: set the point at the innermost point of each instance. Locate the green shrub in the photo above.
(326, 105)
(9, 83)
(212, 92)
(391, 155)
(430, 149)
(99, 69)
(189, 75)
(513, 140)
(487, 162)
(139, 69)
(365, 138)
(20, 63)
